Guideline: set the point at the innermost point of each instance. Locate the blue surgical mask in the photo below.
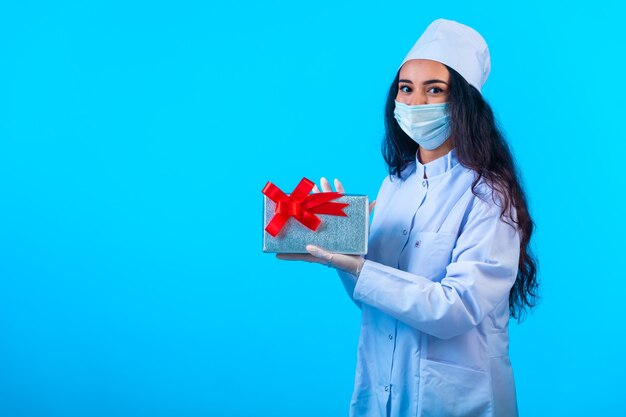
(426, 124)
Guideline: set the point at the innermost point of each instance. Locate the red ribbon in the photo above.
(301, 205)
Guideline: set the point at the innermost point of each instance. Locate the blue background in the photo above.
(135, 139)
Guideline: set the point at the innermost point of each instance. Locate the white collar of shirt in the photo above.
(436, 167)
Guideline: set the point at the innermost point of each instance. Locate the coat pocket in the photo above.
(451, 390)
(429, 253)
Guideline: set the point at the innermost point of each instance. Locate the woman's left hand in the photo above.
(348, 263)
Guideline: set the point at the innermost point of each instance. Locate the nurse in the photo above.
(449, 258)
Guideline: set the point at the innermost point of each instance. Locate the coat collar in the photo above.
(437, 167)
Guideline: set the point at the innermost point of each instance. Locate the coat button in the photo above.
(424, 183)
(390, 337)
(386, 387)
(418, 243)
(404, 232)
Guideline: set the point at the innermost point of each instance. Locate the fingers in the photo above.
(339, 186)
(316, 255)
(325, 185)
(319, 253)
(297, 257)
(372, 204)
(327, 188)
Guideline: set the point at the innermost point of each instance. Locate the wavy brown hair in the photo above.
(480, 146)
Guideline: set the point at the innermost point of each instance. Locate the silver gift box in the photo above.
(339, 234)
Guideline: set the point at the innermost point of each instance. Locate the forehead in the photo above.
(423, 69)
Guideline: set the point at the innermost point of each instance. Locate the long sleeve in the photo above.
(482, 270)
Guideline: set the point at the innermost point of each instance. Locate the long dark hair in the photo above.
(480, 146)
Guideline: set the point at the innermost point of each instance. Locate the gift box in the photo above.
(334, 221)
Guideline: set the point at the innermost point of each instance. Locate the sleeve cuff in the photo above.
(376, 281)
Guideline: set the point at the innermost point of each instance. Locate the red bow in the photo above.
(301, 205)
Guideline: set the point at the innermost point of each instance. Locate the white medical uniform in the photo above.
(434, 299)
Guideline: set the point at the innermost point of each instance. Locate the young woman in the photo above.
(449, 258)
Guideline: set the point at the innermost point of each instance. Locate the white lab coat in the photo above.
(433, 294)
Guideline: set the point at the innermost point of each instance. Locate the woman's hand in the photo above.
(348, 263)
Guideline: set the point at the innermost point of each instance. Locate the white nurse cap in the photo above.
(456, 45)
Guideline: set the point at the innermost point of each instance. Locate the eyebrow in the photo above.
(425, 82)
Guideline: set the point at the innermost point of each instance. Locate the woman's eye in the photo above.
(407, 87)
(437, 90)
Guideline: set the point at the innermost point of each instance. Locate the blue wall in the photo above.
(135, 139)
